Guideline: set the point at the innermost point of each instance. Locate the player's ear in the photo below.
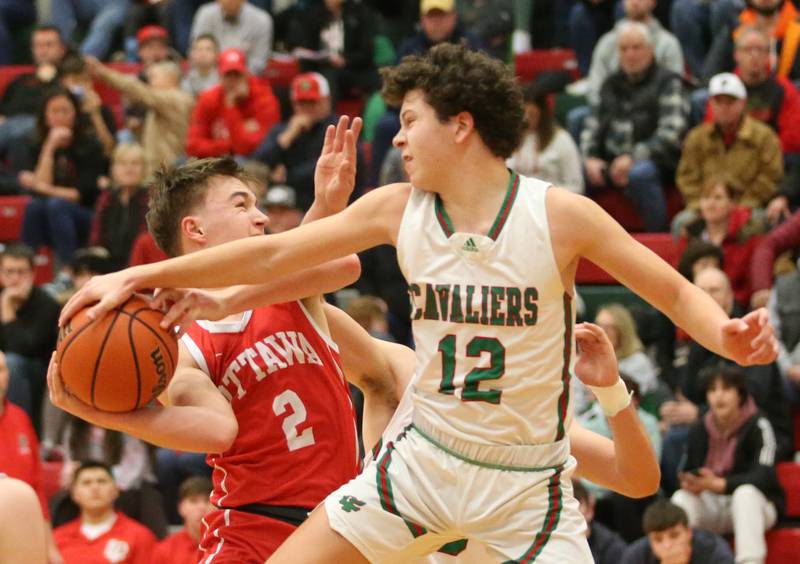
(192, 228)
(464, 125)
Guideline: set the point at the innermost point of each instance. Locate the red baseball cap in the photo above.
(149, 32)
(310, 86)
(232, 60)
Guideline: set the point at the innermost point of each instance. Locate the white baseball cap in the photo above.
(727, 84)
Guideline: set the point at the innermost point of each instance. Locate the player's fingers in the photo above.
(176, 312)
(341, 129)
(734, 327)
(327, 144)
(73, 305)
(165, 297)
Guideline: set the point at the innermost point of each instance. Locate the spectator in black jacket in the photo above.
(335, 38)
(23, 95)
(632, 139)
(729, 483)
(28, 328)
(60, 167)
(670, 540)
(292, 147)
(607, 546)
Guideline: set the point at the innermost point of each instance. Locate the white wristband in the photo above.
(612, 399)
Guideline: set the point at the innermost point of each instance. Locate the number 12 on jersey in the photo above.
(475, 349)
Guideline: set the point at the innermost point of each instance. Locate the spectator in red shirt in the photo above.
(101, 534)
(194, 504)
(781, 239)
(730, 227)
(232, 117)
(19, 452)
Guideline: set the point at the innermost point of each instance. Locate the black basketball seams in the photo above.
(135, 362)
(135, 314)
(72, 336)
(100, 354)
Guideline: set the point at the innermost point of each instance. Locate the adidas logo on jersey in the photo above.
(470, 246)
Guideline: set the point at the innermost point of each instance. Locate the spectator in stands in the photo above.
(23, 95)
(14, 15)
(764, 383)
(75, 76)
(202, 73)
(280, 205)
(120, 210)
(193, 505)
(670, 540)
(19, 452)
(62, 164)
(588, 21)
(771, 99)
(632, 138)
(547, 150)
(100, 533)
(100, 18)
(779, 18)
(699, 255)
(696, 23)
(784, 313)
(168, 109)
(607, 546)
(781, 239)
(145, 250)
(729, 484)
(237, 24)
(733, 145)
(292, 147)
(28, 328)
(233, 117)
(172, 469)
(143, 13)
(605, 58)
(335, 38)
(731, 227)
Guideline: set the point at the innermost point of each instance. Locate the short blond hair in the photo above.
(125, 149)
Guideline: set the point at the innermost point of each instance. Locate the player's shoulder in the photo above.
(398, 192)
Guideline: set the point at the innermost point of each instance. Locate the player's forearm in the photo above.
(635, 464)
(184, 428)
(699, 315)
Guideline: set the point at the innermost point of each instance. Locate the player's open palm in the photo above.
(597, 362)
(335, 174)
(751, 339)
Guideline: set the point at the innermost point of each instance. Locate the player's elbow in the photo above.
(223, 436)
(351, 269)
(643, 484)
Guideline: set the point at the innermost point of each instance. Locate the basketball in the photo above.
(119, 362)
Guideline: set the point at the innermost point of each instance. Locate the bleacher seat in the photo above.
(43, 266)
(660, 243)
(622, 210)
(532, 63)
(783, 546)
(280, 71)
(789, 477)
(12, 210)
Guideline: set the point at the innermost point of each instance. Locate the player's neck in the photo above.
(474, 194)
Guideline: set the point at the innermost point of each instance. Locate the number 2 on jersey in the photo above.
(290, 424)
(475, 348)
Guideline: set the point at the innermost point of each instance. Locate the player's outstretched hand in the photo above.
(335, 174)
(108, 291)
(597, 362)
(182, 307)
(750, 340)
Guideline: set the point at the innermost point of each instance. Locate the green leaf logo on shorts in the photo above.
(349, 503)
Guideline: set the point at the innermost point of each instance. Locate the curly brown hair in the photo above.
(455, 79)
(175, 191)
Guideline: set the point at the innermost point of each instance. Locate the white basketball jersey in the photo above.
(493, 324)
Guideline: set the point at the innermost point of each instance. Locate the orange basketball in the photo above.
(119, 362)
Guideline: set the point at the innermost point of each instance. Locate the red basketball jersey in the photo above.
(282, 376)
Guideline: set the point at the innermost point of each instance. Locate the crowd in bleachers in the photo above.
(680, 117)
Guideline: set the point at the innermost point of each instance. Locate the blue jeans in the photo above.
(576, 118)
(172, 468)
(695, 23)
(673, 455)
(645, 192)
(26, 383)
(57, 223)
(586, 25)
(698, 101)
(15, 128)
(14, 14)
(104, 17)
